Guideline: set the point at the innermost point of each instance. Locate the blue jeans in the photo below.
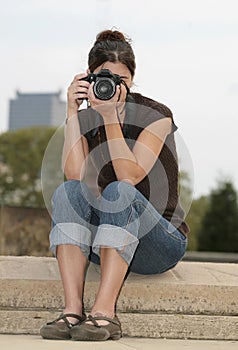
(121, 218)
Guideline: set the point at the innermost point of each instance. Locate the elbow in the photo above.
(132, 180)
(127, 180)
(132, 175)
(73, 172)
(74, 175)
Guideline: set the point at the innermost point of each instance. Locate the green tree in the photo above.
(219, 228)
(194, 220)
(185, 190)
(21, 154)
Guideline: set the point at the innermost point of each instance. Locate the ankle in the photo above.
(74, 309)
(102, 312)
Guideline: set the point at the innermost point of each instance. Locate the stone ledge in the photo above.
(135, 325)
(186, 272)
(193, 298)
(218, 257)
(134, 297)
(190, 288)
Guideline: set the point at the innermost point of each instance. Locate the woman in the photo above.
(136, 223)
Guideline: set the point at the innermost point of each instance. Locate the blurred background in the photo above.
(186, 55)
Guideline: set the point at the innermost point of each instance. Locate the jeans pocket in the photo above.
(178, 236)
(173, 232)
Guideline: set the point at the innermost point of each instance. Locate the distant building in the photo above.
(36, 109)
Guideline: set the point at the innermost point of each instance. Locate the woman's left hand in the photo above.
(108, 108)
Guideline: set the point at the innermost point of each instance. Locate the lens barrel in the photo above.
(104, 88)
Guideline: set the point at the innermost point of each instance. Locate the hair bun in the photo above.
(111, 35)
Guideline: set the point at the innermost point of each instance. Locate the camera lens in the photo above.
(104, 88)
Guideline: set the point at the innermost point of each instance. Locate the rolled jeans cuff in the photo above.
(71, 233)
(111, 236)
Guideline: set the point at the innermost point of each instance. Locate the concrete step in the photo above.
(194, 300)
(29, 342)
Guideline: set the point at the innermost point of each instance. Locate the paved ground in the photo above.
(29, 342)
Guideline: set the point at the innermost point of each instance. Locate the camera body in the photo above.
(105, 83)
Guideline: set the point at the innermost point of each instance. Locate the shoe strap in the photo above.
(102, 318)
(64, 318)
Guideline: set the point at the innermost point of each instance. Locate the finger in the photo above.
(80, 84)
(117, 96)
(76, 89)
(80, 89)
(80, 76)
(91, 95)
(80, 96)
(123, 93)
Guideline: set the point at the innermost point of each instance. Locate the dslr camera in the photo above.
(105, 83)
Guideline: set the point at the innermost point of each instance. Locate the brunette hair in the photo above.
(112, 46)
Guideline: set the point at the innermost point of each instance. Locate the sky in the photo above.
(186, 55)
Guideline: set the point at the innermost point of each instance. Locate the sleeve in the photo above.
(159, 111)
(82, 121)
(147, 111)
(155, 115)
(89, 121)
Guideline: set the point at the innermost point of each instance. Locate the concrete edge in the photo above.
(135, 325)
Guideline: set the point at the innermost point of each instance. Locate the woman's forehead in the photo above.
(116, 68)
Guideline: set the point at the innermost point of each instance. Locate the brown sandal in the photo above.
(96, 332)
(60, 330)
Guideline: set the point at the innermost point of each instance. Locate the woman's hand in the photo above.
(108, 108)
(77, 91)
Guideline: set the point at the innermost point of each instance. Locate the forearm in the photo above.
(124, 161)
(74, 153)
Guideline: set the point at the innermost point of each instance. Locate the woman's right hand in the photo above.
(77, 91)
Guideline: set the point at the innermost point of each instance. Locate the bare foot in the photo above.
(100, 314)
(72, 320)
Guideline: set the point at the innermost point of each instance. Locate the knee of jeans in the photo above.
(117, 190)
(66, 189)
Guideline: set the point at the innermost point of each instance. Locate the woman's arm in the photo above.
(130, 165)
(133, 166)
(75, 148)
